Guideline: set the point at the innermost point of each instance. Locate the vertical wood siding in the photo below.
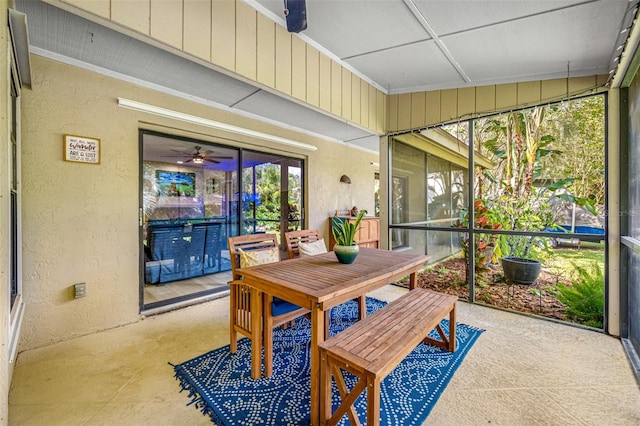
(423, 109)
(234, 36)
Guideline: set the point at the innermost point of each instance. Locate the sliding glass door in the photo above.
(194, 195)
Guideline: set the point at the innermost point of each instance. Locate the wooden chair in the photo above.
(293, 238)
(275, 311)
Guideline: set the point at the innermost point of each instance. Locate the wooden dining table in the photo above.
(320, 282)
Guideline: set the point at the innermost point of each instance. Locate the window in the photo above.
(16, 304)
(14, 193)
(426, 191)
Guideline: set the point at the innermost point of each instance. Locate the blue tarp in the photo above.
(593, 233)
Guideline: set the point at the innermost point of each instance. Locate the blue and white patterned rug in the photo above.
(220, 384)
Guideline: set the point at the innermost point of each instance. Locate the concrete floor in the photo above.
(521, 371)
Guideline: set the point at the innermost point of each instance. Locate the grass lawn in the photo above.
(563, 258)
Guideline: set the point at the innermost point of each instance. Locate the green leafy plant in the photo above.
(344, 232)
(530, 213)
(585, 299)
(534, 212)
(535, 292)
(484, 218)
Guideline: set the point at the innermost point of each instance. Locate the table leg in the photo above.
(267, 334)
(452, 329)
(413, 280)
(362, 307)
(317, 337)
(256, 332)
(325, 389)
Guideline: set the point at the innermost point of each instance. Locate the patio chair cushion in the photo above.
(312, 248)
(258, 257)
(279, 307)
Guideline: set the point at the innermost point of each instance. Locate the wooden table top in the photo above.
(321, 280)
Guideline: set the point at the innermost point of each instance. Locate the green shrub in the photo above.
(585, 299)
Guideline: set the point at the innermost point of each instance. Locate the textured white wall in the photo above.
(81, 220)
(327, 194)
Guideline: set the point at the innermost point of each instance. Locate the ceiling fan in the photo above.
(200, 157)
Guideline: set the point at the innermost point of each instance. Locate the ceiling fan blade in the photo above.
(210, 152)
(211, 161)
(222, 158)
(189, 160)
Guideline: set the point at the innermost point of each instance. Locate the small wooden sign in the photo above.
(81, 149)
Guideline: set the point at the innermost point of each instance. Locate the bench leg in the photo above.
(413, 281)
(373, 401)
(447, 343)
(331, 368)
(325, 389)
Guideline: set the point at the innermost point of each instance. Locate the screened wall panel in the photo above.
(501, 235)
(633, 217)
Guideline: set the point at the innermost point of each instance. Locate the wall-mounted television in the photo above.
(176, 184)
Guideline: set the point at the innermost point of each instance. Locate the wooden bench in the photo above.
(373, 347)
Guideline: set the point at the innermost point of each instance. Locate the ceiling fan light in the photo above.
(198, 161)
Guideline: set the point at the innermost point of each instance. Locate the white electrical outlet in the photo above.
(80, 290)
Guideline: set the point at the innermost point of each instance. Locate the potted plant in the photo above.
(532, 213)
(344, 232)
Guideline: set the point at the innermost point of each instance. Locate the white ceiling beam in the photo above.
(188, 118)
(432, 33)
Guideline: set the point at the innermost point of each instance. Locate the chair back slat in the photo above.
(243, 319)
(294, 238)
(248, 243)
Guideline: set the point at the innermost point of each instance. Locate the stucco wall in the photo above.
(327, 194)
(81, 220)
